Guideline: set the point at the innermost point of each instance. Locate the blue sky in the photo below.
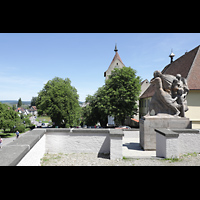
(29, 60)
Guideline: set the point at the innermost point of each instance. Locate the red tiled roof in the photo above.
(188, 66)
(182, 65)
(34, 107)
(193, 77)
(117, 57)
(135, 120)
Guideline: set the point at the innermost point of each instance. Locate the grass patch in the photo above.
(7, 133)
(190, 154)
(50, 158)
(44, 119)
(181, 157)
(44, 160)
(172, 159)
(125, 158)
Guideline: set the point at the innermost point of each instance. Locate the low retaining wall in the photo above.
(77, 141)
(100, 141)
(12, 153)
(30, 148)
(172, 143)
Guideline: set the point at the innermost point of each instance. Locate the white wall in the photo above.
(189, 143)
(112, 66)
(193, 113)
(32, 158)
(80, 141)
(172, 147)
(57, 142)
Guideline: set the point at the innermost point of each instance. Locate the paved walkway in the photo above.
(8, 140)
(131, 146)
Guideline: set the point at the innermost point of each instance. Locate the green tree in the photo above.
(14, 107)
(95, 111)
(122, 91)
(118, 98)
(19, 104)
(59, 100)
(8, 118)
(33, 101)
(88, 114)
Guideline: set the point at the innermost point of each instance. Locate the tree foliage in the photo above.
(9, 119)
(33, 101)
(122, 92)
(19, 104)
(118, 98)
(95, 111)
(59, 100)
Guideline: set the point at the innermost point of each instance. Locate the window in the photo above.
(148, 102)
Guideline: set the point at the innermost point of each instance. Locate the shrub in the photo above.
(20, 128)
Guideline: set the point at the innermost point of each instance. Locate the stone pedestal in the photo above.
(148, 124)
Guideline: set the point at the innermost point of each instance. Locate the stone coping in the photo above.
(175, 132)
(186, 131)
(113, 132)
(116, 133)
(85, 130)
(13, 152)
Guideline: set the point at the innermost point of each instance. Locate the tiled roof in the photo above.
(193, 78)
(182, 65)
(117, 57)
(34, 107)
(188, 66)
(148, 93)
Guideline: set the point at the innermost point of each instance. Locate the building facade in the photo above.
(116, 63)
(188, 66)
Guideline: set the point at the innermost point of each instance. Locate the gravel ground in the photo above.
(91, 159)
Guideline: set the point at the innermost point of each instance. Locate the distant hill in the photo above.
(12, 102)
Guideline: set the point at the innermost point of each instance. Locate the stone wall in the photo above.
(29, 149)
(172, 143)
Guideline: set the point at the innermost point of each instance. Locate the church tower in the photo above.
(116, 63)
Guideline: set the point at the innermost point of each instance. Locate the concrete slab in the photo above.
(131, 147)
(11, 155)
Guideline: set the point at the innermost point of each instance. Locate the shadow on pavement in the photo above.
(133, 146)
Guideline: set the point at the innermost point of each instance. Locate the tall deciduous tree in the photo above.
(59, 100)
(122, 92)
(9, 118)
(33, 101)
(118, 98)
(95, 111)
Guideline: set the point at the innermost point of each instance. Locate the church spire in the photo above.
(116, 48)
